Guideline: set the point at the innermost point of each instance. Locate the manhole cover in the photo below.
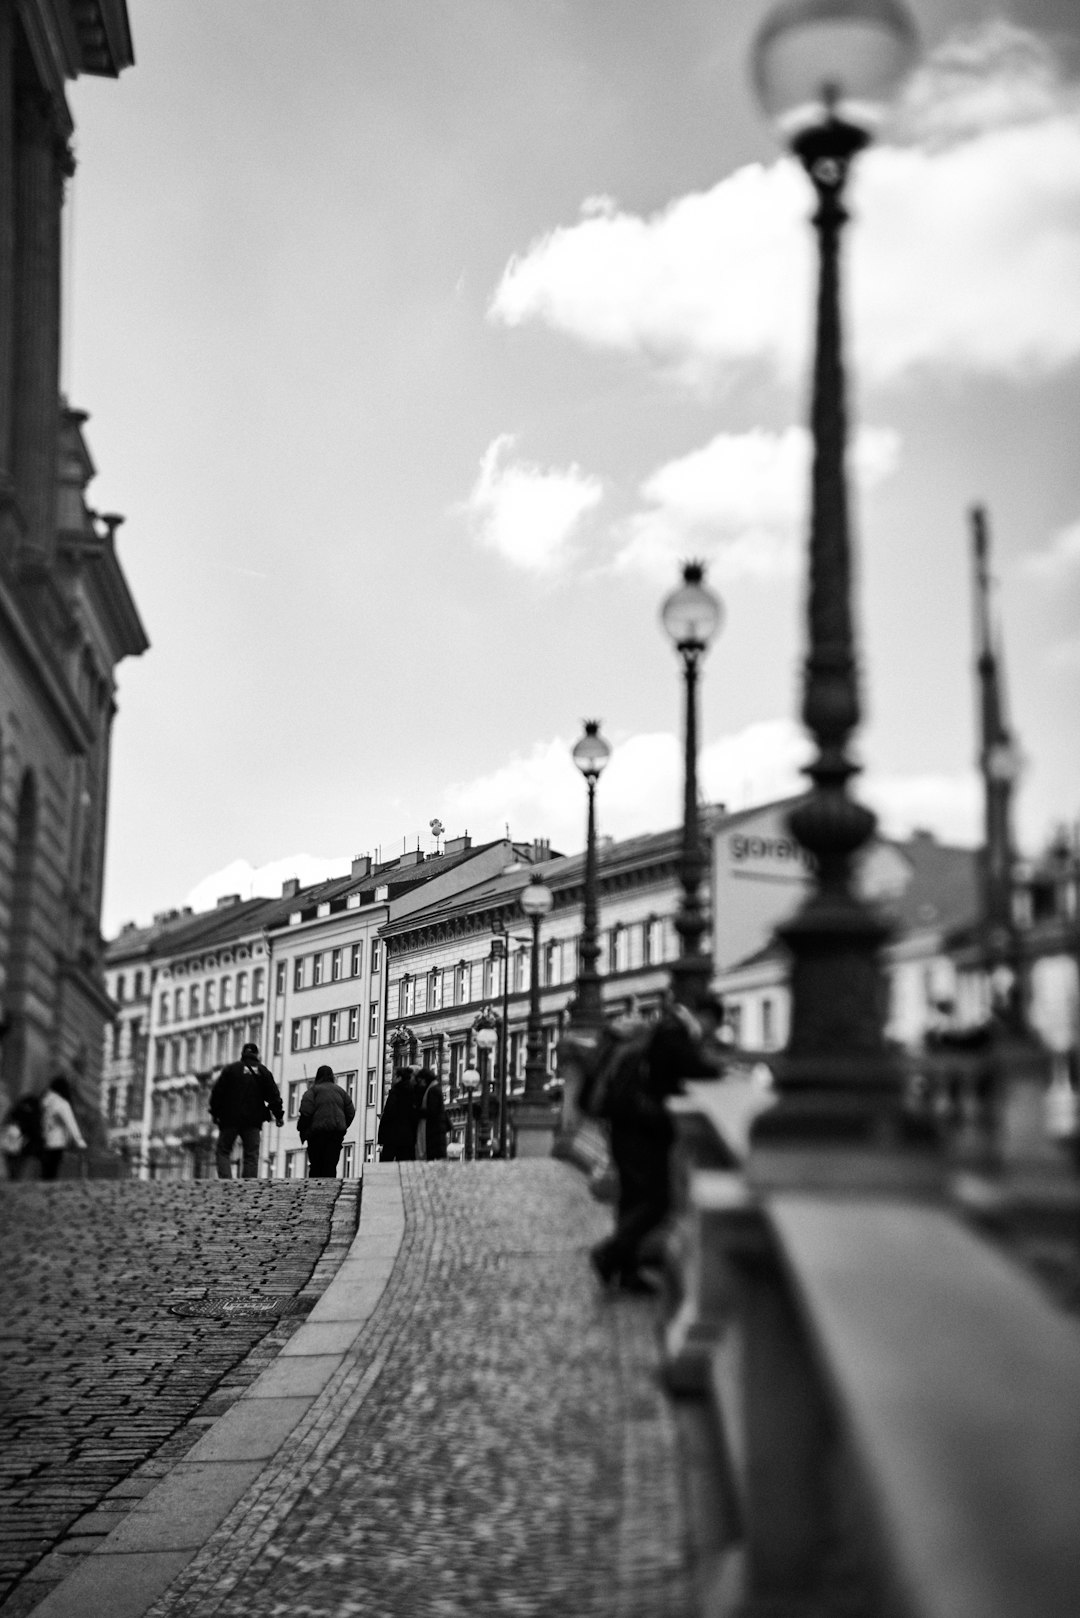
(237, 1306)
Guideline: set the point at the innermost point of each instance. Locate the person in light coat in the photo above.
(59, 1127)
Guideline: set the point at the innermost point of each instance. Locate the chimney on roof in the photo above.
(361, 866)
(290, 887)
(457, 845)
(226, 899)
(413, 857)
(129, 927)
(541, 849)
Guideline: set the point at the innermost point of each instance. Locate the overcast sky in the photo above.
(422, 338)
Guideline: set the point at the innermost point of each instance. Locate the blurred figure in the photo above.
(682, 1045)
(397, 1126)
(432, 1131)
(20, 1138)
(326, 1112)
(59, 1127)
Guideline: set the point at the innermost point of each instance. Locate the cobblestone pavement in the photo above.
(102, 1385)
(496, 1441)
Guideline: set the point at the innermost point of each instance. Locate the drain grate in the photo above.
(239, 1306)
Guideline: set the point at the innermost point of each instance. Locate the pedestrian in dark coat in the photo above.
(682, 1046)
(243, 1097)
(397, 1126)
(326, 1112)
(432, 1131)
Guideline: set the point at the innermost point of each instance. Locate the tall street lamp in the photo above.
(691, 615)
(824, 70)
(590, 755)
(536, 901)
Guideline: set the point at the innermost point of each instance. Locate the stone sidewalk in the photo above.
(464, 1425)
(131, 1317)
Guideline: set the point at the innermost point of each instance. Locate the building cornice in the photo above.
(41, 666)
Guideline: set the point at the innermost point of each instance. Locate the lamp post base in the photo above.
(534, 1123)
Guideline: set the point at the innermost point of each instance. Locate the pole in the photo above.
(504, 1054)
(588, 1009)
(693, 970)
(535, 1073)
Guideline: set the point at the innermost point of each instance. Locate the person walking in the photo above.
(432, 1131)
(59, 1127)
(397, 1126)
(682, 1046)
(243, 1097)
(20, 1138)
(326, 1112)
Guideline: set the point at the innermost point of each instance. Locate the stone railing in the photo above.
(888, 1404)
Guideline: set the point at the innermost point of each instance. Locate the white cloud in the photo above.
(1059, 557)
(966, 253)
(263, 881)
(949, 805)
(739, 503)
(526, 514)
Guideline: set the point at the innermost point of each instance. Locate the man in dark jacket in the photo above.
(432, 1131)
(326, 1112)
(397, 1126)
(244, 1094)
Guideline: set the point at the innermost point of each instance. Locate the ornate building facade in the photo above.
(67, 617)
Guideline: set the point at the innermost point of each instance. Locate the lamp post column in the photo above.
(534, 1113)
(590, 755)
(535, 1070)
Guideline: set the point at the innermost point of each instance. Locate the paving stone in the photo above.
(99, 1380)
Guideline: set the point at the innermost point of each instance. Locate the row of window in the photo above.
(328, 1028)
(120, 987)
(623, 949)
(211, 1047)
(202, 1000)
(328, 966)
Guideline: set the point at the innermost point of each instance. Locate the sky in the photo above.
(423, 341)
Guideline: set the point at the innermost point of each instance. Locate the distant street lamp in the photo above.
(824, 70)
(470, 1083)
(691, 615)
(536, 901)
(590, 755)
(486, 1037)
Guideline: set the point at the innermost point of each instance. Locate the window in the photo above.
(208, 1003)
(620, 950)
(279, 977)
(237, 1039)
(190, 1046)
(369, 1151)
(333, 1034)
(335, 965)
(373, 1019)
(371, 1086)
(254, 1029)
(551, 963)
(221, 1042)
(193, 1000)
(491, 979)
(159, 1058)
(316, 970)
(374, 955)
(354, 961)
(277, 1039)
(767, 1030)
(176, 1057)
(163, 1009)
(457, 1061)
(296, 1090)
(298, 973)
(295, 1034)
(226, 994)
(733, 1019)
(205, 1042)
(521, 969)
(241, 988)
(178, 1005)
(313, 1031)
(138, 986)
(406, 997)
(354, 1022)
(348, 1161)
(257, 984)
(462, 986)
(295, 1165)
(120, 1001)
(434, 998)
(348, 1084)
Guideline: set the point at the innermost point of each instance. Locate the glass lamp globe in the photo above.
(592, 751)
(537, 899)
(693, 613)
(814, 60)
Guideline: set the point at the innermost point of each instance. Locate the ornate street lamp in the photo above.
(691, 615)
(590, 755)
(485, 1038)
(536, 901)
(824, 70)
(470, 1083)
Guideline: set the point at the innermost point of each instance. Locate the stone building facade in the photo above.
(66, 615)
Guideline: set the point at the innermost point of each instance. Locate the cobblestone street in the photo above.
(495, 1443)
(131, 1315)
